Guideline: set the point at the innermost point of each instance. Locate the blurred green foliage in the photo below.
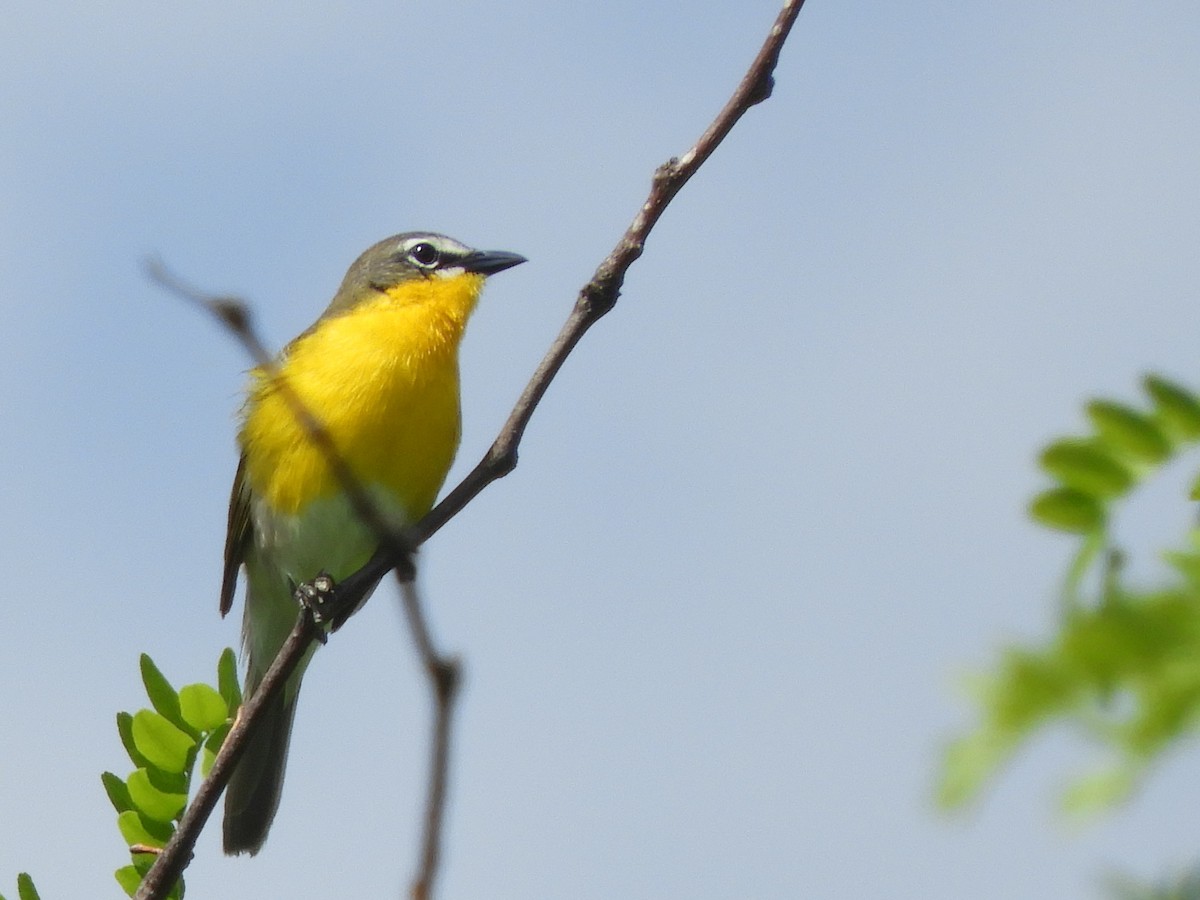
(1181, 887)
(1124, 667)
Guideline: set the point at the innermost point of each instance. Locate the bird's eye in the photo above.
(424, 254)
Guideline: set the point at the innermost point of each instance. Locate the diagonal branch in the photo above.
(599, 295)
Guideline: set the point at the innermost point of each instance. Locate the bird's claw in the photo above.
(320, 598)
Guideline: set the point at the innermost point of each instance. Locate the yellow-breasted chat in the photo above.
(379, 371)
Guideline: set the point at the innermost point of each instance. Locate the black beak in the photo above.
(489, 262)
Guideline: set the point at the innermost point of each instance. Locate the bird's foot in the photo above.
(321, 598)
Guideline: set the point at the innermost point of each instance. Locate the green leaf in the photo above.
(125, 730)
(1067, 509)
(1178, 408)
(136, 830)
(163, 697)
(118, 793)
(160, 742)
(1129, 432)
(1098, 793)
(171, 782)
(202, 707)
(144, 862)
(151, 802)
(227, 680)
(967, 765)
(1187, 562)
(25, 888)
(212, 746)
(129, 878)
(1085, 466)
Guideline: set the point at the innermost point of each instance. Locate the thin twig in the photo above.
(599, 295)
(445, 675)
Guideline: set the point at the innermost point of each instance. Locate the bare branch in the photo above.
(445, 675)
(600, 294)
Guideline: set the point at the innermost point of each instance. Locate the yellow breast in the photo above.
(383, 379)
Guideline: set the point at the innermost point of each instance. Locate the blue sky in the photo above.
(770, 513)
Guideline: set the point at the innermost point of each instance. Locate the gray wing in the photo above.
(238, 537)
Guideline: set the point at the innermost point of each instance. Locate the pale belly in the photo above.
(327, 536)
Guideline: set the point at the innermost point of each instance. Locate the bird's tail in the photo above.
(254, 789)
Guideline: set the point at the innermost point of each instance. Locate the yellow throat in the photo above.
(382, 377)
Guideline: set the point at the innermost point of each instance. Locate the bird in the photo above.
(378, 370)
